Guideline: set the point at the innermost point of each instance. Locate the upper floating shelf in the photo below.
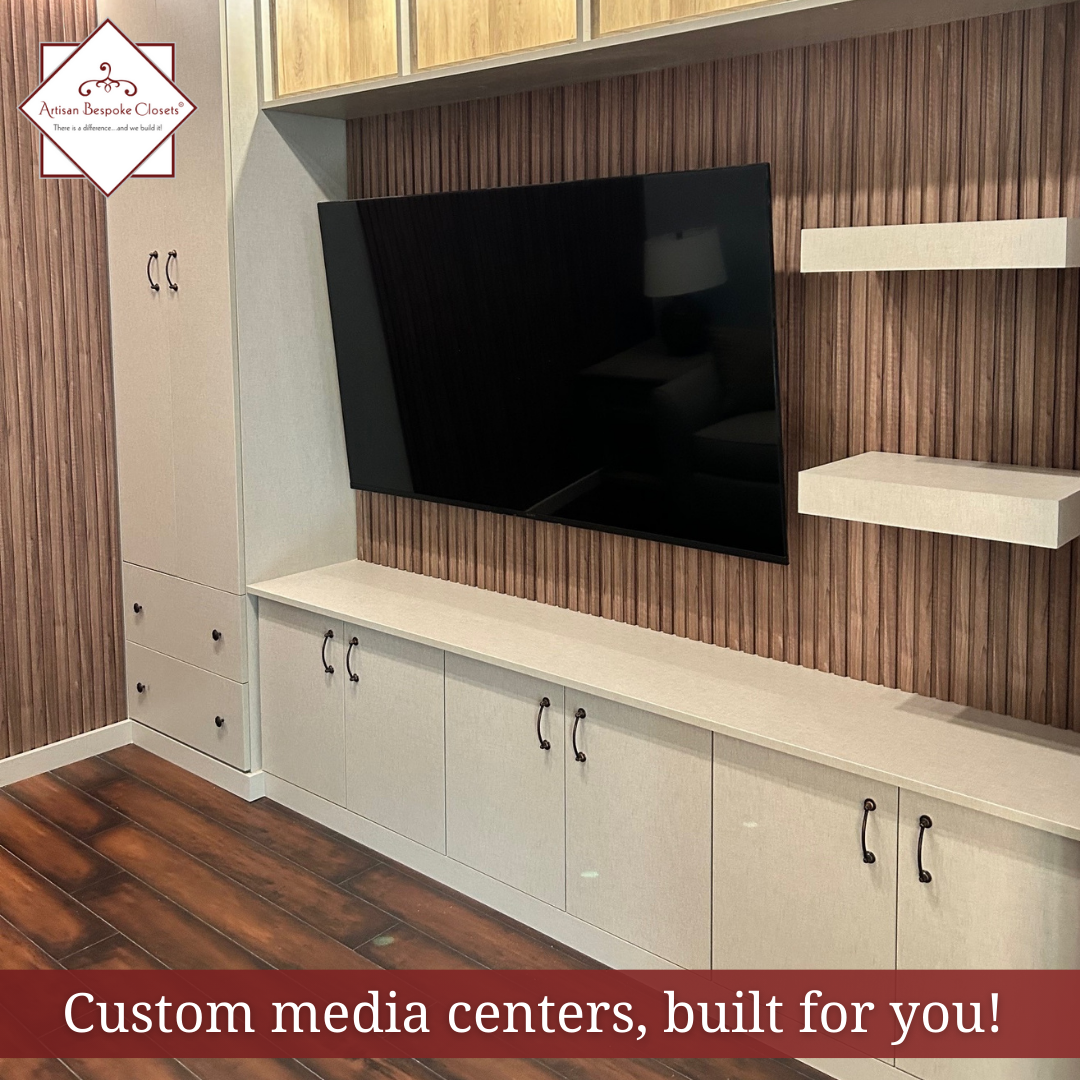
(1015, 504)
(737, 28)
(1031, 243)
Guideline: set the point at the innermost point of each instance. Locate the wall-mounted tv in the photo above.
(600, 353)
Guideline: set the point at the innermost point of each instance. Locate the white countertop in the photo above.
(1011, 768)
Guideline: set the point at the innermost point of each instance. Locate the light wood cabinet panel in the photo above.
(790, 887)
(186, 702)
(453, 31)
(639, 828)
(320, 43)
(395, 754)
(505, 803)
(302, 705)
(1001, 895)
(613, 15)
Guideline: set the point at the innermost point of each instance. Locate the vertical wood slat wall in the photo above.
(61, 630)
(973, 120)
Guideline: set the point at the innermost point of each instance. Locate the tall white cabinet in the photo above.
(231, 457)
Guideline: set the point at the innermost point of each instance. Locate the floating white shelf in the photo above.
(1012, 503)
(1029, 243)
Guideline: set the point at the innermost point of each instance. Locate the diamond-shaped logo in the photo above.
(107, 107)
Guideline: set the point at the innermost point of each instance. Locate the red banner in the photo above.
(514, 1014)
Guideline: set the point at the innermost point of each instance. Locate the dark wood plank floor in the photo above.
(126, 861)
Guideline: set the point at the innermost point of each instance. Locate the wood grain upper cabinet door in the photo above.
(454, 31)
(613, 15)
(302, 704)
(791, 888)
(320, 43)
(395, 754)
(142, 377)
(196, 227)
(1000, 895)
(638, 828)
(504, 789)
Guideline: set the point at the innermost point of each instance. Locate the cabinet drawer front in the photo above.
(639, 828)
(504, 793)
(179, 618)
(395, 752)
(791, 888)
(301, 704)
(184, 701)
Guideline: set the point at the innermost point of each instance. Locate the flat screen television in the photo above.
(600, 353)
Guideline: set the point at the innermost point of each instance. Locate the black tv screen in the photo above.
(600, 353)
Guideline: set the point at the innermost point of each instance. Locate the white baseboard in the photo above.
(249, 786)
(601, 946)
(65, 752)
(855, 1068)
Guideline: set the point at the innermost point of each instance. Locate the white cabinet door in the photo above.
(302, 703)
(504, 789)
(196, 226)
(791, 888)
(639, 828)
(395, 752)
(142, 377)
(1000, 895)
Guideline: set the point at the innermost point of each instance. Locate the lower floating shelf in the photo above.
(1028, 243)
(1015, 504)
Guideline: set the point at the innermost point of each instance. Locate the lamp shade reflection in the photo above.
(683, 262)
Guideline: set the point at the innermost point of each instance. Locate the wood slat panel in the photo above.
(61, 631)
(970, 121)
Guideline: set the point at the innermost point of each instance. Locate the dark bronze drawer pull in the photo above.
(545, 703)
(153, 284)
(220, 721)
(353, 642)
(924, 824)
(579, 715)
(868, 807)
(328, 668)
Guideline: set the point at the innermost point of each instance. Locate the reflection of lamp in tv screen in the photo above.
(678, 266)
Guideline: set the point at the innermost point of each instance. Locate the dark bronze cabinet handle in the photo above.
(545, 703)
(579, 715)
(172, 284)
(153, 284)
(328, 668)
(215, 634)
(868, 807)
(353, 642)
(220, 721)
(140, 687)
(137, 608)
(924, 824)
